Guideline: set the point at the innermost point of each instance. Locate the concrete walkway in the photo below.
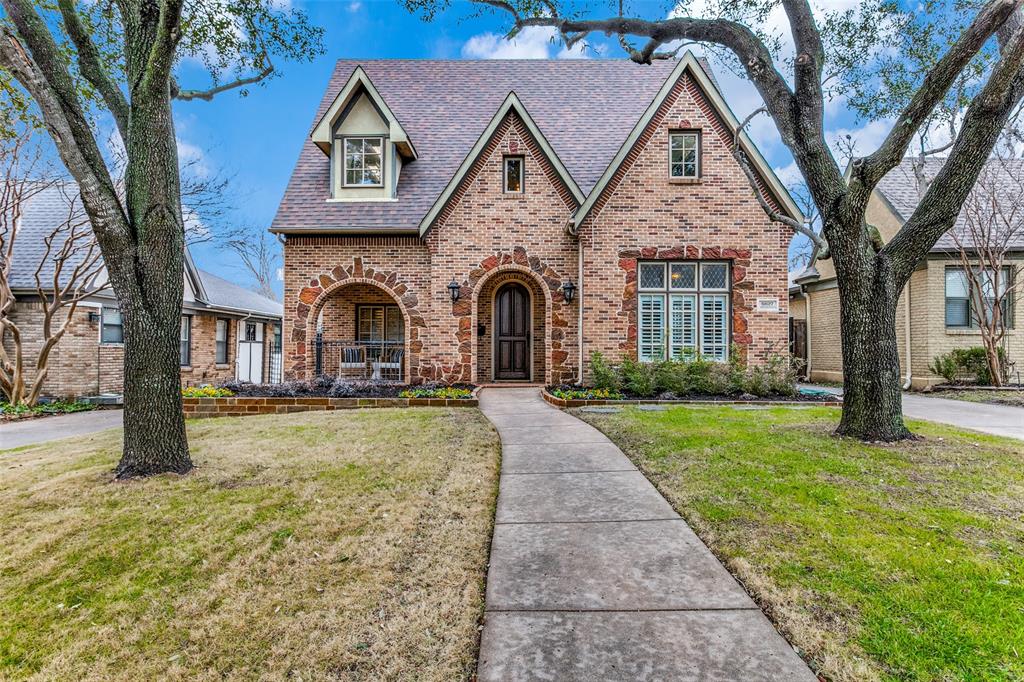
(593, 576)
(998, 420)
(43, 429)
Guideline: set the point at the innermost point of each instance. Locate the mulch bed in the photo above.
(670, 398)
(329, 388)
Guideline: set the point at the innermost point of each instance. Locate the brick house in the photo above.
(940, 315)
(495, 221)
(227, 331)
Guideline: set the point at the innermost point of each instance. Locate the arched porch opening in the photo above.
(359, 330)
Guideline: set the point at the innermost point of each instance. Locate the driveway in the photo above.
(43, 429)
(593, 575)
(998, 420)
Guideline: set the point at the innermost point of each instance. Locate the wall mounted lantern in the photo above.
(453, 289)
(569, 291)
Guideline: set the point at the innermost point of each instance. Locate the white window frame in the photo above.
(103, 317)
(682, 314)
(522, 174)
(185, 342)
(344, 160)
(696, 148)
(218, 324)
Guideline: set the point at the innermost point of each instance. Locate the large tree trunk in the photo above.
(872, 399)
(154, 427)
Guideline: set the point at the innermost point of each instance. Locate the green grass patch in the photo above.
(902, 562)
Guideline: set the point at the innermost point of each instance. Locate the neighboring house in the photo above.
(939, 317)
(227, 331)
(472, 220)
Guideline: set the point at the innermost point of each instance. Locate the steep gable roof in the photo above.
(701, 73)
(585, 109)
(511, 104)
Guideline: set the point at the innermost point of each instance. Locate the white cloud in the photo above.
(535, 42)
(194, 157)
(354, 6)
(864, 139)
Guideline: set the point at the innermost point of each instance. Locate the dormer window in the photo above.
(684, 155)
(364, 162)
(513, 173)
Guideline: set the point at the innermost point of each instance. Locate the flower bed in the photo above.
(561, 396)
(236, 399)
(10, 412)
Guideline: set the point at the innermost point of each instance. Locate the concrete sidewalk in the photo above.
(593, 576)
(43, 429)
(998, 420)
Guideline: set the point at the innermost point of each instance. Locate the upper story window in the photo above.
(364, 161)
(112, 330)
(684, 155)
(513, 174)
(683, 311)
(962, 296)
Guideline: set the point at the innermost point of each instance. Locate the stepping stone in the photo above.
(595, 409)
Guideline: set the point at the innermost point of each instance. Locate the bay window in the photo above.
(683, 311)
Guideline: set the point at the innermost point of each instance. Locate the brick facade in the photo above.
(80, 365)
(484, 237)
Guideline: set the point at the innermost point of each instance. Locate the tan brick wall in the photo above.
(80, 365)
(928, 332)
(484, 233)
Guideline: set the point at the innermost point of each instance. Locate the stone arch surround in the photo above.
(539, 274)
(314, 296)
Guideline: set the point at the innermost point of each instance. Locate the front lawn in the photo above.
(307, 546)
(878, 562)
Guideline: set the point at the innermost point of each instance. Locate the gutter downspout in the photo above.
(579, 309)
(807, 317)
(906, 322)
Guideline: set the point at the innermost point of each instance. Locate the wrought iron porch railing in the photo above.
(379, 360)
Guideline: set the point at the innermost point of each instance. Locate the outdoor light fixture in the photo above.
(453, 289)
(569, 291)
(94, 317)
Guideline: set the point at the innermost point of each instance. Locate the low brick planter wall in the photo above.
(562, 402)
(239, 406)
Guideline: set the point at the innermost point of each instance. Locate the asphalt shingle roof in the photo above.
(50, 207)
(900, 188)
(220, 292)
(585, 109)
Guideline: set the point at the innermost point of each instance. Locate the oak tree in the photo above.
(75, 64)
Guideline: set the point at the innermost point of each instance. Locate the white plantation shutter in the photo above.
(651, 334)
(683, 326)
(714, 327)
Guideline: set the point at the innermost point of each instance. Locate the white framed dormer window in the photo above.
(684, 155)
(513, 174)
(683, 310)
(363, 162)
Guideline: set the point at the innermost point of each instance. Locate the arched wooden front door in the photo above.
(512, 321)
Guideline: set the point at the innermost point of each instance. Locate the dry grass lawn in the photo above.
(879, 562)
(347, 545)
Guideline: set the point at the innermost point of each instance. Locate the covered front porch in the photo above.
(361, 335)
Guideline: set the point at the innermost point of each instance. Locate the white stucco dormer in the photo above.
(366, 144)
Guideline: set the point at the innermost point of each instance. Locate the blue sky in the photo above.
(257, 138)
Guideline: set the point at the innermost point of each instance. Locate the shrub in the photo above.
(968, 363)
(206, 392)
(638, 377)
(777, 376)
(604, 374)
